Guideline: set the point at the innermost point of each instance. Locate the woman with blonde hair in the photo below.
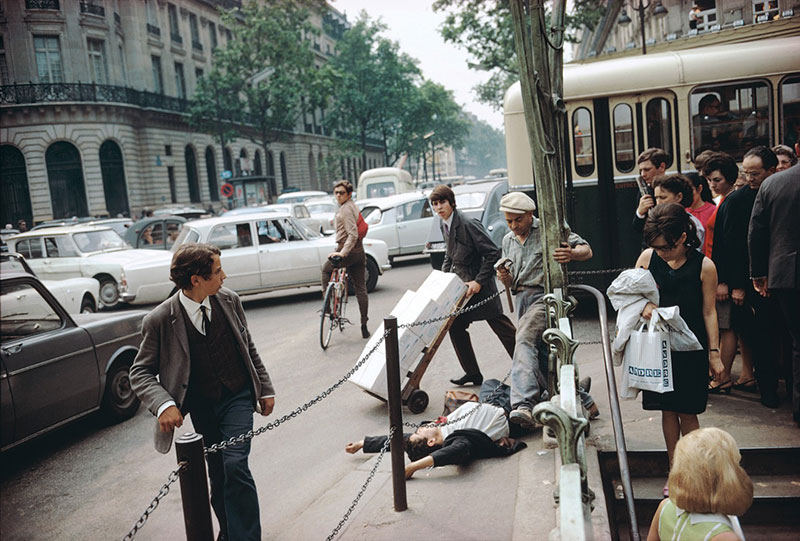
(708, 490)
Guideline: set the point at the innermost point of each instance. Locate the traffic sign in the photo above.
(226, 174)
(226, 189)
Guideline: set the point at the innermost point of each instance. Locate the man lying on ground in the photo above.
(482, 433)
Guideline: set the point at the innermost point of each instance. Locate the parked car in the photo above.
(76, 295)
(156, 233)
(260, 253)
(81, 250)
(190, 213)
(402, 221)
(384, 181)
(478, 199)
(301, 214)
(299, 196)
(117, 224)
(57, 367)
(323, 209)
(4, 234)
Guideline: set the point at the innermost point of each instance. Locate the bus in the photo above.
(618, 108)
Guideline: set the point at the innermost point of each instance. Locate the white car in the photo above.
(89, 251)
(260, 253)
(402, 221)
(76, 295)
(299, 197)
(324, 209)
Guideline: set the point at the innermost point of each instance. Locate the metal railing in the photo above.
(19, 94)
(87, 7)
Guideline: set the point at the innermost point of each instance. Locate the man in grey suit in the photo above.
(197, 357)
(774, 241)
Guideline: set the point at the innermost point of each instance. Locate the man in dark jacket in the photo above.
(471, 254)
(774, 240)
(750, 316)
(474, 430)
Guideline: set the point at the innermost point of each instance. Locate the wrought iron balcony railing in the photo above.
(117, 18)
(176, 38)
(89, 93)
(154, 30)
(197, 45)
(42, 4)
(86, 7)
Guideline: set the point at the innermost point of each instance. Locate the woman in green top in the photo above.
(708, 489)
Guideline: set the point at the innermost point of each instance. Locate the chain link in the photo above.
(162, 492)
(597, 271)
(374, 470)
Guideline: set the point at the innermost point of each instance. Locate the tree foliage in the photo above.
(484, 29)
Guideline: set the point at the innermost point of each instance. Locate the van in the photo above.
(384, 181)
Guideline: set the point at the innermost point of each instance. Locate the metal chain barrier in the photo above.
(597, 271)
(162, 492)
(374, 470)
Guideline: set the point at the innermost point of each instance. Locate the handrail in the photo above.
(616, 415)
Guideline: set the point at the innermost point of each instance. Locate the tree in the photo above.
(265, 77)
(484, 29)
(484, 149)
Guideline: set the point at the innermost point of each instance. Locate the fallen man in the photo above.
(483, 433)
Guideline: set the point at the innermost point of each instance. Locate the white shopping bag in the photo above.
(647, 363)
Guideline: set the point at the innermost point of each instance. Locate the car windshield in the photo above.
(319, 208)
(186, 235)
(99, 241)
(471, 200)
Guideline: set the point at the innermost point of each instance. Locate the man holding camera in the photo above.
(523, 246)
(471, 254)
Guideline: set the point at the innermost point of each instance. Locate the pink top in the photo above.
(703, 213)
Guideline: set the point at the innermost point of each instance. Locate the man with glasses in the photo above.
(350, 248)
(750, 316)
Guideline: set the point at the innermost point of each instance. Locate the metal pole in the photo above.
(641, 24)
(395, 413)
(194, 488)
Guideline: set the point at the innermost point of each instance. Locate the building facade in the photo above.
(683, 24)
(94, 103)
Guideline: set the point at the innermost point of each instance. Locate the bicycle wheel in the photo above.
(328, 319)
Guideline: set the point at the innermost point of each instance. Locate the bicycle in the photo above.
(334, 303)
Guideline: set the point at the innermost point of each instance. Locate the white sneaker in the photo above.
(523, 417)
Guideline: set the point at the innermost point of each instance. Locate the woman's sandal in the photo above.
(748, 386)
(721, 388)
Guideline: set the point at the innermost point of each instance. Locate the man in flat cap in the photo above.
(523, 246)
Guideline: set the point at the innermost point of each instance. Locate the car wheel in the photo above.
(109, 293)
(119, 400)
(437, 260)
(372, 274)
(88, 305)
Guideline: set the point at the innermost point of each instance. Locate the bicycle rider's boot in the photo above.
(364, 331)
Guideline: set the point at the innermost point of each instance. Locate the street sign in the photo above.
(226, 174)
(226, 189)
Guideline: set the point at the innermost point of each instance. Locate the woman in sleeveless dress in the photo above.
(688, 279)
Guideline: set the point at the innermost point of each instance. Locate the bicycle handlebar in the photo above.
(336, 260)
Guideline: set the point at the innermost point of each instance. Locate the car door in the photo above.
(285, 257)
(49, 362)
(413, 224)
(61, 258)
(238, 254)
(31, 250)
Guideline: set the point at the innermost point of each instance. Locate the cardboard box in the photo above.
(444, 288)
(371, 376)
(414, 307)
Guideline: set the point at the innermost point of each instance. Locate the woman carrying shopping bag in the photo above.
(686, 279)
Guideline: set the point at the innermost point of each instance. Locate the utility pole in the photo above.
(539, 51)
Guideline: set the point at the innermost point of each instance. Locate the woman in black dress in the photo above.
(688, 279)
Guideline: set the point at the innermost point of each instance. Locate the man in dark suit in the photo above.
(774, 240)
(197, 357)
(471, 254)
(750, 316)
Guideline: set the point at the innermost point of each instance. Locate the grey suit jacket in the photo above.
(774, 234)
(160, 372)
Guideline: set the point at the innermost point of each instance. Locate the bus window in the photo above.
(623, 138)
(659, 127)
(582, 138)
(730, 118)
(790, 110)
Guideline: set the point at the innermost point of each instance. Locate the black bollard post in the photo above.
(395, 413)
(194, 488)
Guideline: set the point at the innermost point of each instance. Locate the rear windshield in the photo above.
(472, 200)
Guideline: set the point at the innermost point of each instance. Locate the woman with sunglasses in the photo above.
(688, 279)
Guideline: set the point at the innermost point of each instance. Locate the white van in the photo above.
(384, 181)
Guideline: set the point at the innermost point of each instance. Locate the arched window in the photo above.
(257, 164)
(113, 172)
(312, 171)
(227, 160)
(65, 176)
(211, 173)
(273, 189)
(323, 171)
(240, 165)
(284, 176)
(191, 174)
(14, 186)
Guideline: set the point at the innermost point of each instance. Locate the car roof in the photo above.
(391, 201)
(207, 222)
(483, 185)
(61, 230)
(306, 193)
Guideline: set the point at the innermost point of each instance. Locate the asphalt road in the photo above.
(92, 481)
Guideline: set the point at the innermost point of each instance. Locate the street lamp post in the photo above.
(658, 11)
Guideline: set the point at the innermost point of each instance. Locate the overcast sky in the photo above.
(414, 25)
